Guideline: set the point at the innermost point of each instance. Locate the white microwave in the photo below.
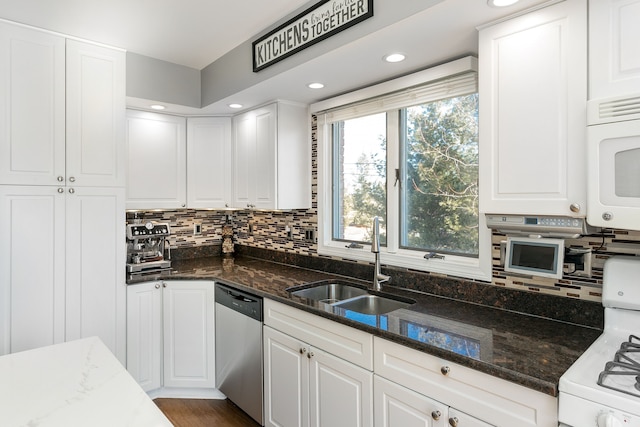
(613, 164)
(534, 256)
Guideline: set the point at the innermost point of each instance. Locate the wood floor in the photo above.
(204, 413)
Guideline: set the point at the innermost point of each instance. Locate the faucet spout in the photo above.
(378, 278)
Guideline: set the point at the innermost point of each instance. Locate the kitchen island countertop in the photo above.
(524, 349)
(75, 384)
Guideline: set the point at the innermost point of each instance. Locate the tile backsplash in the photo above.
(268, 230)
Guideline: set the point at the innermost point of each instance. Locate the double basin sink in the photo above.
(350, 297)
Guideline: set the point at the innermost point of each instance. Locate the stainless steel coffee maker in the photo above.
(146, 247)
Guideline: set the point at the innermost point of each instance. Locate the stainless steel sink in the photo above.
(372, 304)
(330, 293)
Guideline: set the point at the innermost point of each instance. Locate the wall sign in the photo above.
(315, 24)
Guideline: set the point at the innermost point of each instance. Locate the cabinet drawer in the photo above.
(497, 401)
(340, 340)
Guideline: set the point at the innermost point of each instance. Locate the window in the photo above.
(410, 157)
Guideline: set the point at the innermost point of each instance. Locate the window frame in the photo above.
(452, 265)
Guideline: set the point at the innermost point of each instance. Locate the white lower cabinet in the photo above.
(61, 266)
(397, 406)
(469, 395)
(304, 384)
(170, 334)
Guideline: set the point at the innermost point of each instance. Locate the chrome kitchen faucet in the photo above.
(378, 278)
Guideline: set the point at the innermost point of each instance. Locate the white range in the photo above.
(602, 388)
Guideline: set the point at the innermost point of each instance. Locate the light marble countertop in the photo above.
(74, 384)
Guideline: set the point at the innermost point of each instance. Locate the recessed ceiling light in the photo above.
(236, 106)
(315, 85)
(394, 57)
(157, 107)
(501, 3)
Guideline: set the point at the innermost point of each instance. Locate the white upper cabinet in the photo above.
(96, 87)
(209, 162)
(156, 145)
(32, 106)
(272, 157)
(614, 48)
(533, 91)
(52, 103)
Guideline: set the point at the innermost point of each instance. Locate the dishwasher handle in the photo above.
(240, 301)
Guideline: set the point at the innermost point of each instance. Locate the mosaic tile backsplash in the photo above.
(268, 230)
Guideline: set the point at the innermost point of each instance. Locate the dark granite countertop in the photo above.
(527, 350)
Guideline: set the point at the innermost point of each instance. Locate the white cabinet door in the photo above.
(532, 72)
(341, 393)
(286, 380)
(95, 115)
(188, 321)
(144, 334)
(32, 262)
(272, 157)
(243, 160)
(614, 48)
(397, 406)
(254, 158)
(156, 147)
(209, 162)
(95, 281)
(264, 172)
(32, 106)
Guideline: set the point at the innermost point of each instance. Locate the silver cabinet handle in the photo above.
(310, 354)
(184, 205)
(60, 190)
(303, 350)
(436, 415)
(445, 370)
(574, 207)
(453, 421)
(71, 191)
(157, 285)
(60, 178)
(72, 179)
(164, 285)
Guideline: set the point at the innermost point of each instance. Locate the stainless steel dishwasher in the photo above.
(239, 348)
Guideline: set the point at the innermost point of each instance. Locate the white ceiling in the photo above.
(195, 33)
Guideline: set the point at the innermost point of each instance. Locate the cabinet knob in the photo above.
(226, 205)
(157, 285)
(60, 190)
(607, 216)
(184, 205)
(445, 370)
(453, 421)
(436, 415)
(72, 179)
(60, 178)
(310, 354)
(71, 191)
(164, 285)
(574, 207)
(303, 350)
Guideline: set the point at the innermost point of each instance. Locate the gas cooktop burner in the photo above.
(623, 373)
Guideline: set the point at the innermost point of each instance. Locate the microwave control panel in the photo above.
(543, 226)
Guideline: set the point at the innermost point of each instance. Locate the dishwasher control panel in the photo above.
(240, 301)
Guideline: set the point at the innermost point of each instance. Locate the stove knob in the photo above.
(607, 419)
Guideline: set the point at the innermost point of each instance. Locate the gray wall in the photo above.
(150, 78)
